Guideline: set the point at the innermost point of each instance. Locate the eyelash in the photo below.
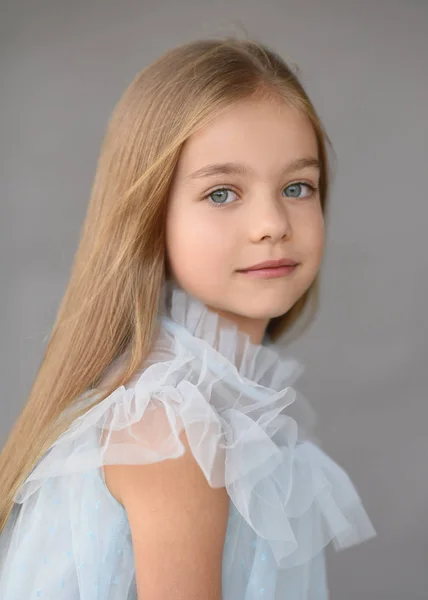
(230, 189)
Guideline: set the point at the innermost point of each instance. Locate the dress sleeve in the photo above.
(291, 494)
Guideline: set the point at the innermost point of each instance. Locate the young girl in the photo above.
(158, 456)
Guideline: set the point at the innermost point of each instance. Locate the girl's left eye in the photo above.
(294, 190)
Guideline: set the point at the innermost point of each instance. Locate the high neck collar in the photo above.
(188, 317)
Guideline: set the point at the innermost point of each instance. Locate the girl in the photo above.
(157, 456)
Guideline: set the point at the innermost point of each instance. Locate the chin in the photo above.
(265, 312)
(275, 307)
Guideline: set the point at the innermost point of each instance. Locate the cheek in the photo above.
(319, 236)
(313, 234)
(196, 245)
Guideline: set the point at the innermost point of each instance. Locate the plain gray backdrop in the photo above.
(64, 65)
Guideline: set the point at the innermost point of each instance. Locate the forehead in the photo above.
(264, 133)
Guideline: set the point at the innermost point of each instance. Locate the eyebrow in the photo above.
(231, 168)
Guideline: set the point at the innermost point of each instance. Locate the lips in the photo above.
(271, 264)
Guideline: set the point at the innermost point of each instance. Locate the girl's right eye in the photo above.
(220, 196)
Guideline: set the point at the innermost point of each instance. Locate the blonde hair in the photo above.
(112, 298)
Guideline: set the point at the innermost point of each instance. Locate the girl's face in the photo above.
(245, 192)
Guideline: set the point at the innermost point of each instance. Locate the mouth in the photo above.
(271, 268)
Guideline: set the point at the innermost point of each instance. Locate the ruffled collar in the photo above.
(258, 371)
(235, 402)
(188, 317)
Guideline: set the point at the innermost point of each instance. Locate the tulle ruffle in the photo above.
(232, 399)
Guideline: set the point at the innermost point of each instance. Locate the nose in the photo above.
(269, 220)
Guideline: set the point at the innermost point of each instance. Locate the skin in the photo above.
(272, 211)
(178, 522)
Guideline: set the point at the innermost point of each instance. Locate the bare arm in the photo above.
(178, 525)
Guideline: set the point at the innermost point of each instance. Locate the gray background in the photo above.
(64, 65)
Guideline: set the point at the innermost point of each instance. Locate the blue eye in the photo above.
(295, 190)
(220, 196)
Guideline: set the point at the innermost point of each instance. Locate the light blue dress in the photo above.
(69, 539)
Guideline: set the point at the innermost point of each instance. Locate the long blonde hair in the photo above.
(112, 298)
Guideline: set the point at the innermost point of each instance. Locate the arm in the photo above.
(178, 525)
